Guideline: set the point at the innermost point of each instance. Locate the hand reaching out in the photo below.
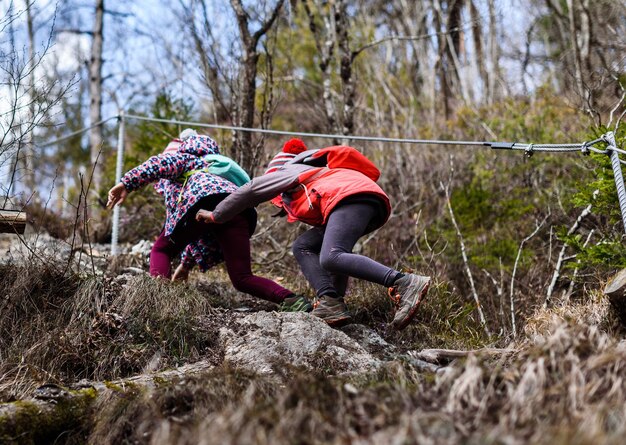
(117, 195)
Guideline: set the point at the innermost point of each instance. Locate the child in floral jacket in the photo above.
(199, 243)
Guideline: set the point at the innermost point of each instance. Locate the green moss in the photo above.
(113, 386)
(32, 424)
(160, 381)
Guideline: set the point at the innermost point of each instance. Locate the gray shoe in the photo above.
(408, 293)
(332, 310)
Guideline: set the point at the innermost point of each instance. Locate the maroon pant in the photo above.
(233, 238)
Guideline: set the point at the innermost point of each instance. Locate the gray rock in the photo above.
(141, 249)
(272, 343)
(369, 340)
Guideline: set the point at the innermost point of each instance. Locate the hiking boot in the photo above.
(408, 293)
(297, 303)
(332, 310)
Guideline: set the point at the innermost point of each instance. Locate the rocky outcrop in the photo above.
(269, 342)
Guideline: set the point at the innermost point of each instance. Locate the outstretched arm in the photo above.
(163, 166)
(260, 189)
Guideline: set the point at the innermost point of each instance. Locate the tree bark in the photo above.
(325, 44)
(29, 155)
(573, 35)
(347, 57)
(494, 54)
(441, 62)
(244, 152)
(95, 95)
(479, 53)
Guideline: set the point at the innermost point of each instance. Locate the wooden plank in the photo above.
(12, 221)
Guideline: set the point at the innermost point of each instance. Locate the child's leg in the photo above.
(163, 250)
(306, 249)
(345, 226)
(234, 240)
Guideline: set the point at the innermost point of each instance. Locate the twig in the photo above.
(468, 271)
(570, 289)
(519, 254)
(561, 259)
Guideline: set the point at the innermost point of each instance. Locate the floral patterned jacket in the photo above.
(166, 168)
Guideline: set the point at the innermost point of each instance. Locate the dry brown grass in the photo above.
(61, 328)
(562, 387)
(565, 383)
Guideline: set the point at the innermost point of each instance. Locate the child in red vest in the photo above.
(333, 189)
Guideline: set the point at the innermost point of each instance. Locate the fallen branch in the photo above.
(443, 356)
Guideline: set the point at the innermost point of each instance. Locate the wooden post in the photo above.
(615, 290)
(12, 221)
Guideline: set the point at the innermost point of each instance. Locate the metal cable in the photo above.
(303, 134)
(506, 145)
(617, 173)
(528, 148)
(76, 133)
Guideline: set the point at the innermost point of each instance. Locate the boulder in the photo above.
(274, 342)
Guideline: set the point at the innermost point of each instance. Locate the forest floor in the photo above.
(118, 357)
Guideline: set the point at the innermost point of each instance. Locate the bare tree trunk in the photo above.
(325, 44)
(441, 63)
(573, 34)
(244, 152)
(453, 47)
(95, 95)
(479, 54)
(29, 155)
(494, 53)
(347, 57)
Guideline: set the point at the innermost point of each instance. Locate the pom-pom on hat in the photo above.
(172, 147)
(294, 146)
(187, 133)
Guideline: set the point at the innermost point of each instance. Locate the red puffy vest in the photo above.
(348, 173)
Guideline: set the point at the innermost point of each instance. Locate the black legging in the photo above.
(325, 253)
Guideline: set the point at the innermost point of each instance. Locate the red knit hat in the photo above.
(278, 160)
(291, 148)
(294, 146)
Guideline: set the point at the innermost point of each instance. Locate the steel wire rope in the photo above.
(569, 147)
(76, 133)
